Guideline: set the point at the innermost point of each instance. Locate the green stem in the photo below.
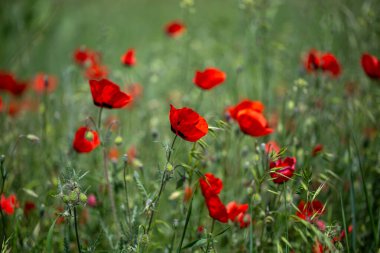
(209, 239)
(286, 220)
(3, 178)
(100, 118)
(76, 229)
(126, 193)
(162, 185)
(188, 214)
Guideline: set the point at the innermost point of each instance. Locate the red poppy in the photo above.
(175, 29)
(187, 124)
(209, 78)
(318, 247)
(1, 104)
(28, 207)
(245, 104)
(317, 149)
(83, 56)
(371, 66)
(129, 58)
(271, 146)
(235, 209)
(107, 94)
(9, 204)
(188, 193)
(131, 153)
(282, 170)
(85, 140)
(97, 72)
(244, 220)
(210, 185)
(330, 64)
(44, 83)
(326, 62)
(113, 154)
(14, 108)
(9, 83)
(309, 210)
(253, 123)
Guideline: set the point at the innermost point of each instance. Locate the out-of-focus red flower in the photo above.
(113, 154)
(9, 83)
(84, 216)
(253, 123)
(211, 187)
(14, 108)
(318, 247)
(83, 56)
(187, 124)
(131, 153)
(209, 78)
(85, 140)
(61, 218)
(317, 149)
(107, 94)
(330, 64)
(243, 105)
(282, 170)
(175, 29)
(310, 210)
(188, 193)
(343, 234)
(91, 200)
(1, 104)
(200, 229)
(97, 72)
(244, 220)
(9, 204)
(129, 58)
(234, 209)
(44, 83)
(326, 62)
(371, 66)
(272, 146)
(18, 88)
(28, 207)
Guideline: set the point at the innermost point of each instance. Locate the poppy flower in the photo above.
(187, 124)
(371, 66)
(330, 64)
(188, 193)
(309, 210)
(235, 209)
(318, 247)
(91, 200)
(96, 71)
(175, 29)
(113, 154)
(326, 62)
(129, 58)
(272, 146)
(9, 83)
(317, 149)
(131, 153)
(44, 83)
(14, 108)
(9, 204)
(28, 207)
(85, 140)
(282, 170)
(107, 94)
(83, 56)
(244, 220)
(245, 104)
(253, 123)
(209, 78)
(210, 185)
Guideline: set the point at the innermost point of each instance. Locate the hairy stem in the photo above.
(76, 229)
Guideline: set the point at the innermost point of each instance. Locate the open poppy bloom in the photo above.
(107, 94)
(245, 104)
(28, 207)
(209, 78)
(9, 204)
(244, 219)
(371, 66)
(129, 58)
(96, 71)
(253, 123)
(9, 83)
(85, 140)
(317, 149)
(44, 83)
(272, 146)
(282, 170)
(310, 210)
(187, 124)
(326, 62)
(235, 209)
(83, 56)
(175, 29)
(211, 187)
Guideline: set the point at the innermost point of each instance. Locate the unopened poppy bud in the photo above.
(169, 167)
(83, 197)
(118, 140)
(89, 136)
(2, 158)
(33, 138)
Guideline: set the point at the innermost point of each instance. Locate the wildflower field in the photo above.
(189, 126)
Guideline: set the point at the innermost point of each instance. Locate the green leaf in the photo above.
(49, 238)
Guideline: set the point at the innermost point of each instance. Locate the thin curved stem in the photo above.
(76, 229)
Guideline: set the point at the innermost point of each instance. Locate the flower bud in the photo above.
(73, 196)
(82, 197)
(89, 135)
(118, 140)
